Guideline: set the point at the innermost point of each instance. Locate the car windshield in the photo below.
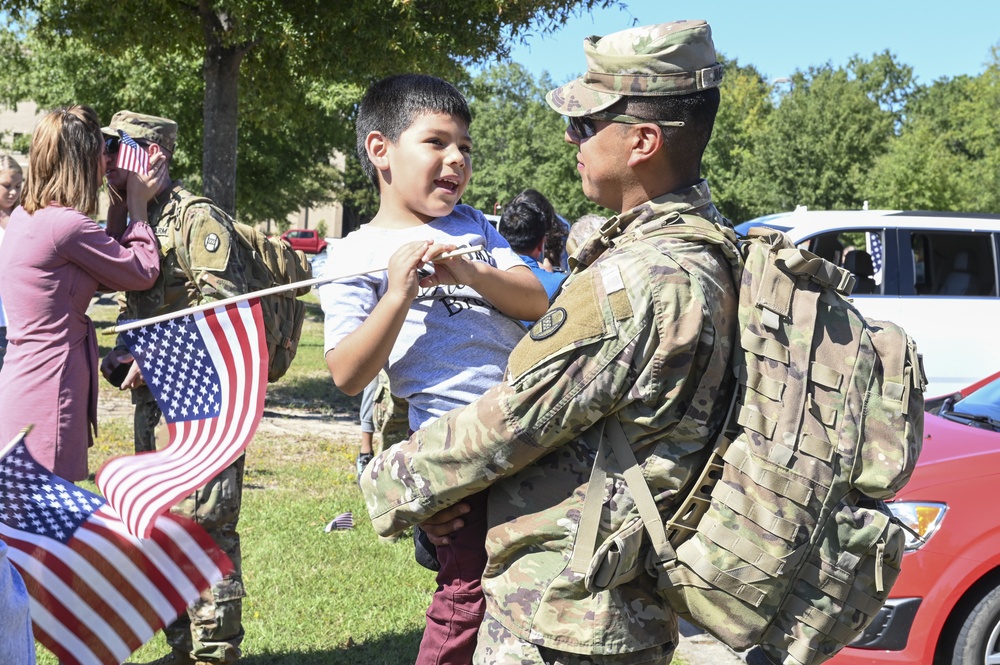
(770, 221)
(982, 406)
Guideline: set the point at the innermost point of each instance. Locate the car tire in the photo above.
(978, 641)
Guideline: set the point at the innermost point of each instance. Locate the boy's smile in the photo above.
(426, 170)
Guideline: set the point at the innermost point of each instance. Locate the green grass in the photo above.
(335, 598)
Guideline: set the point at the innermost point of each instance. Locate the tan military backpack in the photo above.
(784, 541)
(267, 262)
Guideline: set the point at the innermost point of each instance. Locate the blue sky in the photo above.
(937, 39)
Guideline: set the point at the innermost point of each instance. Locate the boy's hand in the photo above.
(406, 264)
(456, 270)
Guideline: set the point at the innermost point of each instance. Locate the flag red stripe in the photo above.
(152, 573)
(80, 629)
(82, 588)
(53, 645)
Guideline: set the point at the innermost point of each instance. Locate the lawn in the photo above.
(334, 598)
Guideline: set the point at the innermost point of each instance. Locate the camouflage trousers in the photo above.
(390, 415)
(212, 630)
(497, 645)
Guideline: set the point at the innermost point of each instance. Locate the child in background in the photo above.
(11, 181)
(444, 336)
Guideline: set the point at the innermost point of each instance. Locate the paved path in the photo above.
(700, 648)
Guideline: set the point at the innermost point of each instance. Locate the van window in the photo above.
(860, 252)
(953, 263)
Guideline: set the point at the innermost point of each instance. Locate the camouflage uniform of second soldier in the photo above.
(642, 331)
(212, 630)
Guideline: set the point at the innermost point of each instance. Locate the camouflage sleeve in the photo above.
(597, 350)
(212, 262)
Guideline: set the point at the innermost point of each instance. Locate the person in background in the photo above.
(525, 223)
(443, 337)
(197, 266)
(11, 180)
(581, 230)
(555, 258)
(17, 643)
(54, 259)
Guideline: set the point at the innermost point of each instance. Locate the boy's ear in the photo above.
(377, 147)
(645, 141)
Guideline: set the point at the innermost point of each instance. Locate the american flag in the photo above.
(208, 373)
(341, 522)
(132, 156)
(96, 593)
(873, 240)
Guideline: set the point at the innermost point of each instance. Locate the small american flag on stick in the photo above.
(132, 156)
(208, 373)
(96, 593)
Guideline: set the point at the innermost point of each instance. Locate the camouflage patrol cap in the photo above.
(161, 131)
(675, 58)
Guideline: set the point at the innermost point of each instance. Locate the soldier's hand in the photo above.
(444, 523)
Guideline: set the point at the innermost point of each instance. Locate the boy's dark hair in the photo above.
(696, 110)
(390, 106)
(525, 220)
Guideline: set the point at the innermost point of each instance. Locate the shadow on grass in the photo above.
(391, 649)
(312, 394)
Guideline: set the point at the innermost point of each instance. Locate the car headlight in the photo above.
(922, 519)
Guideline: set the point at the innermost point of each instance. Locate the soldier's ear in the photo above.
(645, 141)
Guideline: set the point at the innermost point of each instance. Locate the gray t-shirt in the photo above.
(453, 345)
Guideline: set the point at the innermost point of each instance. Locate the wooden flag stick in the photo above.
(265, 292)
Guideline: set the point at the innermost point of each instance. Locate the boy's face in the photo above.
(429, 167)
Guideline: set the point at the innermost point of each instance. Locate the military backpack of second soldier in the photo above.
(784, 541)
(266, 262)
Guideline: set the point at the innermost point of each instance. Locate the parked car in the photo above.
(306, 240)
(945, 605)
(935, 274)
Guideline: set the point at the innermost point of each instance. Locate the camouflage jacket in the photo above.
(643, 329)
(202, 241)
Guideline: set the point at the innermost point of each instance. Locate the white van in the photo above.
(934, 274)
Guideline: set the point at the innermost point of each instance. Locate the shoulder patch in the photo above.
(549, 324)
(208, 239)
(577, 317)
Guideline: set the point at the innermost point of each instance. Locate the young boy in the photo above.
(444, 337)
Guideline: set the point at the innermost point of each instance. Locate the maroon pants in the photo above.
(458, 605)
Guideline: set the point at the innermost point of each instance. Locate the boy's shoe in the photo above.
(363, 460)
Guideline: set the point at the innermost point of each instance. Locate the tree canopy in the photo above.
(282, 75)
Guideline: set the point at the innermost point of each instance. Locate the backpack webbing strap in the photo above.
(780, 485)
(700, 572)
(590, 517)
(743, 505)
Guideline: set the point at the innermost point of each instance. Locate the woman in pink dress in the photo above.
(53, 260)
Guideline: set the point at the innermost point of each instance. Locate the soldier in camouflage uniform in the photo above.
(196, 237)
(642, 332)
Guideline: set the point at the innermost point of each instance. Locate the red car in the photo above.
(945, 605)
(307, 240)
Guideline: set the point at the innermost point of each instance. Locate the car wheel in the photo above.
(978, 641)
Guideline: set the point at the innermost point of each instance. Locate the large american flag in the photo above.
(208, 372)
(96, 593)
(132, 156)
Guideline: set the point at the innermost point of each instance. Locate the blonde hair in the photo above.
(64, 161)
(8, 163)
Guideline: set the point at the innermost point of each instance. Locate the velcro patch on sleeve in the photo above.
(614, 287)
(208, 241)
(575, 316)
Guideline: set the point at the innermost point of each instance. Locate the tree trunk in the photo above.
(221, 71)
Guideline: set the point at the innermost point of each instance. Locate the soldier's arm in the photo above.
(207, 255)
(558, 387)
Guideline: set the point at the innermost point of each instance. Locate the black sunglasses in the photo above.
(111, 145)
(582, 127)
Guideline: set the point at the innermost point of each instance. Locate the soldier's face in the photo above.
(599, 162)
(428, 168)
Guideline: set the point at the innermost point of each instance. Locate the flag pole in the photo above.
(266, 292)
(17, 439)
